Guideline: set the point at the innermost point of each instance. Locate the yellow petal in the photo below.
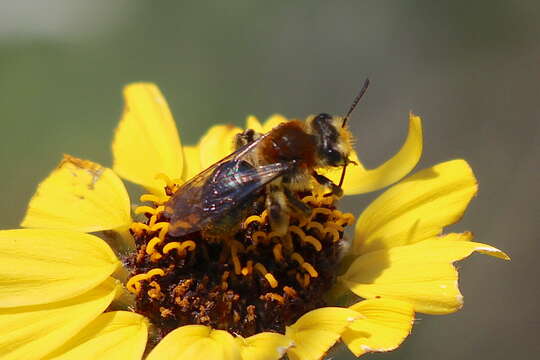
(146, 141)
(79, 195)
(196, 342)
(217, 143)
(32, 332)
(112, 336)
(384, 325)
(359, 180)
(192, 162)
(39, 266)
(416, 208)
(317, 331)
(253, 123)
(264, 346)
(421, 274)
(272, 122)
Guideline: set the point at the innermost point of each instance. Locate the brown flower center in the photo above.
(252, 282)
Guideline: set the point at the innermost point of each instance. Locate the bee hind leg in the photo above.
(278, 210)
(296, 203)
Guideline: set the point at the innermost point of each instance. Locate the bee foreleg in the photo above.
(278, 211)
(245, 137)
(324, 181)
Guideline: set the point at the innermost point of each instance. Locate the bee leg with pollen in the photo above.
(278, 210)
(326, 182)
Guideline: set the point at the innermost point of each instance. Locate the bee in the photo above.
(275, 165)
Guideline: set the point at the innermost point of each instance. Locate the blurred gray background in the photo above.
(469, 68)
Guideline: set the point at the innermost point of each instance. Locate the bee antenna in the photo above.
(351, 109)
(342, 178)
(355, 102)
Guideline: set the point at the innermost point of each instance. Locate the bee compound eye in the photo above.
(323, 117)
(333, 157)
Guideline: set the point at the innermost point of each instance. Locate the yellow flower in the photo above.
(63, 292)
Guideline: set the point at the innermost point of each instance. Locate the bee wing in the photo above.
(226, 185)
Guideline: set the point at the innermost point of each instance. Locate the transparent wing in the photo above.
(230, 183)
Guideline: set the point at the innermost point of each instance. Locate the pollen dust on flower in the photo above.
(253, 281)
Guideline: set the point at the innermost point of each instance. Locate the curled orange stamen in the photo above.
(306, 238)
(155, 213)
(251, 219)
(256, 218)
(296, 230)
(334, 226)
(163, 227)
(276, 297)
(333, 232)
(224, 277)
(310, 269)
(320, 211)
(289, 291)
(235, 246)
(271, 235)
(268, 276)
(297, 257)
(155, 257)
(180, 247)
(307, 266)
(144, 210)
(156, 271)
(138, 228)
(314, 242)
(237, 265)
(306, 280)
(315, 225)
(248, 269)
(154, 198)
(150, 248)
(278, 254)
(133, 285)
(167, 180)
(347, 219)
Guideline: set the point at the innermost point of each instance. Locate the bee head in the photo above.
(332, 139)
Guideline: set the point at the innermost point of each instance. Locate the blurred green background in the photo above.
(469, 68)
